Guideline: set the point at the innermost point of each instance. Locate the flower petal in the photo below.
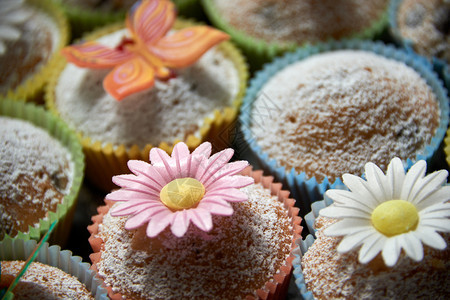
(235, 181)
(347, 226)
(412, 178)
(231, 195)
(343, 212)
(359, 187)
(352, 241)
(378, 182)
(216, 206)
(134, 207)
(180, 223)
(227, 170)
(395, 176)
(140, 167)
(430, 238)
(440, 210)
(201, 218)
(179, 154)
(203, 150)
(344, 198)
(186, 46)
(143, 217)
(429, 185)
(214, 163)
(391, 251)
(412, 245)
(125, 195)
(371, 247)
(159, 222)
(9, 32)
(437, 224)
(439, 196)
(133, 182)
(161, 161)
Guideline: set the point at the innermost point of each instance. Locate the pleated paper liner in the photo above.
(258, 51)
(275, 288)
(308, 190)
(105, 161)
(59, 130)
(18, 249)
(32, 89)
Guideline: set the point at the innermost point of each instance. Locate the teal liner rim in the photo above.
(18, 249)
(308, 190)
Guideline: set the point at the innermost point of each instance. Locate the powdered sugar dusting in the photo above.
(171, 110)
(36, 172)
(235, 258)
(333, 112)
(45, 282)
(278, 21)
(330, 275)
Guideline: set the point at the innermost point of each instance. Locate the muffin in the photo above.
(41, 172)
(349, 103)
(33, 33)
(229, 250)
(358, 252)
(423, 26)
(266, 28)
(55, 275)
(192, 104)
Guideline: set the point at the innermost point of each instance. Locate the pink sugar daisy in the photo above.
(175, 190)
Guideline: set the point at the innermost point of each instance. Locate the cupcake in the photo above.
(383, 238)
(41, 169)
(422, 26)
(186, 226)
(349, 103)
(267, 28)
(32, 34)
(187, 89)
(55, 274)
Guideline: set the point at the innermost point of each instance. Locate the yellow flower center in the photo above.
(395, 217)
(182, 193)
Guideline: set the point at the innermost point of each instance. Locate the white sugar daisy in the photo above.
(390, 212)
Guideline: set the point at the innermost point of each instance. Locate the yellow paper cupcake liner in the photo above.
(259, 51)
(32, 89)
(60, 131)
(105, 161)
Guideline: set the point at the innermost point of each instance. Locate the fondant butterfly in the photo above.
(149, 52)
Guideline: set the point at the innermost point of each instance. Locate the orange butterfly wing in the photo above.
(130, 77)
(94, 55)
(150, 20)
(186, 46)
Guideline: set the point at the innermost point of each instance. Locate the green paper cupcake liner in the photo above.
(308, 190)
(32, 89)
(17, 249)
(259, 51)
(60, 131)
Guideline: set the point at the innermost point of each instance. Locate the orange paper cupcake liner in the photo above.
(105, 161)
(275, 288)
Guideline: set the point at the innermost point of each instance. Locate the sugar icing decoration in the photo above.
(178, 189)
(390, 212)
(149, 52)
(11, 15)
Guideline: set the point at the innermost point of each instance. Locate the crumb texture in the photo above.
(331, 113)
(278, 21)
(231, 261)
(42, 281)
(330, 275)
(36, 172)
(171, 110)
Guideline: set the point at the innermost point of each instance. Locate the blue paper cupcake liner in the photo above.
(308, 190)
(18, 249)
(440, 66)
